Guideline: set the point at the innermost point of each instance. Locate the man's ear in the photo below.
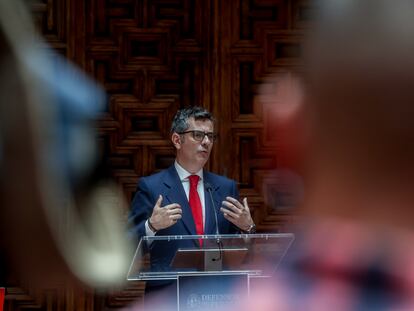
(176, 140)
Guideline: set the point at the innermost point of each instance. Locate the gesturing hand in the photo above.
(164, 217)
(237, 213)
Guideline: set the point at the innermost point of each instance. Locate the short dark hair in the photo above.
(180, 121)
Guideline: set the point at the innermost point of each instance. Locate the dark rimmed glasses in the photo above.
(199, 135)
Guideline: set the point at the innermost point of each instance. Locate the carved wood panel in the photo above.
(152, 58)
(155, 56)
(262, 38)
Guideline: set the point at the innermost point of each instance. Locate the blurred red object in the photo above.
(2, 294)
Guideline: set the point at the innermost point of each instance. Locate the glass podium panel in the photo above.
(167, 257)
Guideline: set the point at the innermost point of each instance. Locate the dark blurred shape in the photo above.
(57, 222)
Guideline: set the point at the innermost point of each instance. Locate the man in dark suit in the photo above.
(162, 205)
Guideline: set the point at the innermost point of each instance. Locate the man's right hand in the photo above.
(164, 217)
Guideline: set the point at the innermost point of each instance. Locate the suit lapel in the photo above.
(175, 194)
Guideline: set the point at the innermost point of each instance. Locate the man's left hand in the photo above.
(237, 213)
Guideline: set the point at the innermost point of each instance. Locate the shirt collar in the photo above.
(183, 173)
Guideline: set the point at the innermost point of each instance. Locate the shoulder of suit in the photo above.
(219, 178)
(156, 177)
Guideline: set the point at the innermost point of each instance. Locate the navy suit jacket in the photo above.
(168, 184)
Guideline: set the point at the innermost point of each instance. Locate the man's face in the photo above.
(191, 153)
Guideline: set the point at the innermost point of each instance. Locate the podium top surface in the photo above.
(167, 257)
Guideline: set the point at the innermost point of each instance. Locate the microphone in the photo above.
(209, 188)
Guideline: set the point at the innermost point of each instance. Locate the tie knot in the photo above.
(193, 180)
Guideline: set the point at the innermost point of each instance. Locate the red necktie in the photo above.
(195, 205)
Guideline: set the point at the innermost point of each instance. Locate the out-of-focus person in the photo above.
(354, 249)
(58, 223)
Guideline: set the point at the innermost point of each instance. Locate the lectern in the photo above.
(208, 268)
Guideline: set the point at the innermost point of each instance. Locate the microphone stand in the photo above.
(218, 241)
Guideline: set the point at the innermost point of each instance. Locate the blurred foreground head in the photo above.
(361, 86)
(356, 107)
(56, 222)
(361, 110)
(357, 110)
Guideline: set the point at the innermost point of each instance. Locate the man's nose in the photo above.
(206, 140)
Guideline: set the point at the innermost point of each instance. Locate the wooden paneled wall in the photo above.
(155, 56)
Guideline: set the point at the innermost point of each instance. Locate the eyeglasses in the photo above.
(199, 135)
